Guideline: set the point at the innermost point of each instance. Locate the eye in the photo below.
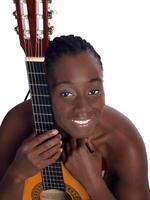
(94, 92)
(66, 94)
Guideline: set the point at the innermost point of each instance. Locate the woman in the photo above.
(91, 137)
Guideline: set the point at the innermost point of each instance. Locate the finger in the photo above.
(51, 160)
(90, 145)
(50, 153)
(41, 138)
(48, 144)
(33, 134)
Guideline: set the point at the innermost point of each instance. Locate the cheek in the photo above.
(59, 110)
(102, 101)
(99, 103)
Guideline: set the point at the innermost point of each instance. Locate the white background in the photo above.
(120, 32)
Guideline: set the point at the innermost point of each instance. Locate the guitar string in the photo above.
(32, 80)
(37, 81)
(52, 125)
(35, 88)
(47, 181)
(33, 77)
(45, 177)
(45, 92)
(41, 128)
(40, 51)
(56, 165)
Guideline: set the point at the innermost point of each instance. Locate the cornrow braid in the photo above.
(70, 45)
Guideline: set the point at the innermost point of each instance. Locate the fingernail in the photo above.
(61, 149)
(54, 132)
(60, 136)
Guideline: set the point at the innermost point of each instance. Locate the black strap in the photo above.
(27, 95)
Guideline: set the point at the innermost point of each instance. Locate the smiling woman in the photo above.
(98, 145)
(99, 134)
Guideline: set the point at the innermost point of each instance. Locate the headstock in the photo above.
(34, 25)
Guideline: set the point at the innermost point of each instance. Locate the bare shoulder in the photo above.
(127, 154)
(16, 126)
(19, 116)
(123, 137)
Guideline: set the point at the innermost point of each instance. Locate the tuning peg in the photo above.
(16, 29)
(50, 30)
(49, 1)
(15, 14)
(50, 14)
(14, 1)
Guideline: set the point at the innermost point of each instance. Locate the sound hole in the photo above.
(71, 193)
(67, 196)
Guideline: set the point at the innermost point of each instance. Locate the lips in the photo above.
(81, 123)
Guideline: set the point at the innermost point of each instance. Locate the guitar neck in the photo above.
(43, 119)
(41, 104)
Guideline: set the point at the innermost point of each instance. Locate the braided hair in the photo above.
(70, 45)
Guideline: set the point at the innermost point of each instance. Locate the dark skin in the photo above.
(108, 141)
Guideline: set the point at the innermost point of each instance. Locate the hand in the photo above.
(36, 153)
(84, 165)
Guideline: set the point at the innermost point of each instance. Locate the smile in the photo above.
(82, 123)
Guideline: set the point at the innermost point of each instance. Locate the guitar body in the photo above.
(74, 190)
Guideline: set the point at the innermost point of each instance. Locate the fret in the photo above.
(39, 109)
(35, 67)
(37, 73)
(43, 114)
(43, 118)
(42, 122)
(40, 99)
(37, 99)
(52, 174)
(44, 127)
(38, 84)
(41, 105)
(40, 130)
(38, 90)
(41, 95)
(34, 78)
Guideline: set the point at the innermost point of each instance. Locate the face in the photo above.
(77, 94)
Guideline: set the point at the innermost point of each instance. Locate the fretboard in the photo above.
(43, 119)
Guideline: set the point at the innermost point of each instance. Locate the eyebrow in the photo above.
(98, 79)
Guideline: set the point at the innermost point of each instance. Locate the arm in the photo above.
(133, 171)
(10, 187)
(12, 133)
(126, 156)
(20, 157)
(86, 168)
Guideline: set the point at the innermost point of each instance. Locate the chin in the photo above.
(78, 133)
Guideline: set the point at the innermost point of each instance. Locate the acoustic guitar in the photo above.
(34, 29)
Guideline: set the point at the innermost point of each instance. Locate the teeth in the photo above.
(81, 121)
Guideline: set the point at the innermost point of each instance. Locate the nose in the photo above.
(82, 107)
